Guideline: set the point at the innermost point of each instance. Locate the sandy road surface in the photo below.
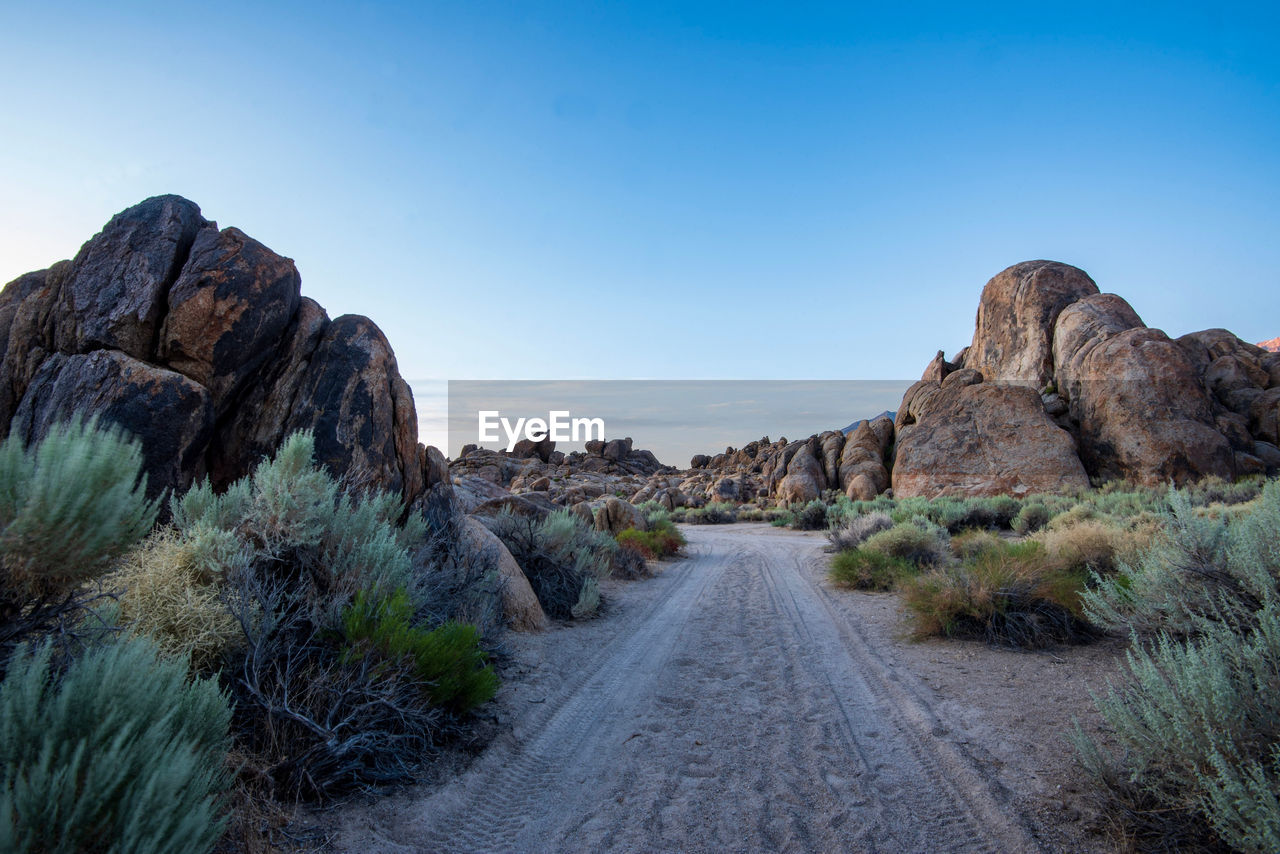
(732, 709)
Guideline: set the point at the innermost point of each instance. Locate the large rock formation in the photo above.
(198, 341)
(1013, 335)
(966, 437)
(1118, 399)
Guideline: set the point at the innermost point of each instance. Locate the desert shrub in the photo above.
(294, 523)
(1197, 721)
(865, 569)
(778, 517)
(1009, 596)
(957, 514)
(293, 552)
(750, 514)
(660, 541)
(852, 531)
(170, 589)
(630, 561)
(919, 542)
(559, 555)
(1033, 516)
(69, 506)
(809, 517)
(121, 753)
(970, 544)
(312, 723)
(448, 659)
(1089, 546)
(714, 513)
(588, 604)
(1184, 573)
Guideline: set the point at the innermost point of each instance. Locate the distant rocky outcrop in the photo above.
(1092, 392)
(1271, 346)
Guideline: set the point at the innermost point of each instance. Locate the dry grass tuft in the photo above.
(169, 596)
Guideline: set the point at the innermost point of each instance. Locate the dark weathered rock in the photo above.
(114, 295)
(26, 329)
(228, 312)
(171, 415)
(257, 424)
(361, 411)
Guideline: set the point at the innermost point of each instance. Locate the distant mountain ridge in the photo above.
(854, 426)
(1273, 345)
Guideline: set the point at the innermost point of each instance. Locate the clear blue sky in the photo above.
(668, 190)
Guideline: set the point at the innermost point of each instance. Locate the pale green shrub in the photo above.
(122, 754)
(918, 541)
(69, 507)
(1198, 722)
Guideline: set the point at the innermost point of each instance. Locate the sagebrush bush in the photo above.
(852, 531)
(919, 542)
(291, 521)
(1033, 516)
(560, 555)
(447, 660)
(1187, 571)
(69, 506)
(809, 517)
(1011, 594)
(1197, 722)
(291, 552)
(865, 569)
(121, 753)
(714, 513)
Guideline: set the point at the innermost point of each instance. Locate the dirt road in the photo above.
(732, 708)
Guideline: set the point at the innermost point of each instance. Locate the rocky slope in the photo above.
(1098, 394)
(199, 342)
(1271, 346)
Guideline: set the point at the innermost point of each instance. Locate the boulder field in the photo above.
(197, 339)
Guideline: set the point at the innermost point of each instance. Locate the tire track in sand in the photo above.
(736, 712)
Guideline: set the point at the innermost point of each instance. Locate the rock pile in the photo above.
(1063, 383)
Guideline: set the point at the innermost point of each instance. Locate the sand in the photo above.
(738, 702)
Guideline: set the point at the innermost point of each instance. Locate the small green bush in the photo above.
(852, 530)
(714, 513)
(448, 659)
(1033, 516)
(661, 541)
(919, 542)
(809, 517)
(560, 555)
(69, 507)
(1009, 595)
(121, 753)
(865, 569)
